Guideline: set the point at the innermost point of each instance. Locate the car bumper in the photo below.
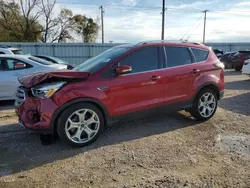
(35, 114)
(246, 70)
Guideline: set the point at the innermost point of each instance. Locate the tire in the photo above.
(195, 111)
(229, 65)
(86, 125)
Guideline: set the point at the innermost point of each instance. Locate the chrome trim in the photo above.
(165, 41)
(20, 97)
(102, 88)
(171, 67)
(162, 69)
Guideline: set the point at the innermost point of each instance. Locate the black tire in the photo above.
(68, 112)
(194, 111)
(229, 65)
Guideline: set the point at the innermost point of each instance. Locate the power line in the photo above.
(226, 11)
(197, 21)
(79, 3)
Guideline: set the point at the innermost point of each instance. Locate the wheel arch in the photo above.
(108, 120)
(210, 85)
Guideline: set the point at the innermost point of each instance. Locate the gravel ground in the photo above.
(170, 150)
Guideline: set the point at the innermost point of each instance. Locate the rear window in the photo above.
(17, 52)
(40, 61)
(199, 54)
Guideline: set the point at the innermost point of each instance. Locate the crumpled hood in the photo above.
(30, 80)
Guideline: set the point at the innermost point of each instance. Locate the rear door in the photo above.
(11, 69)
(142, 88)
(180, 74)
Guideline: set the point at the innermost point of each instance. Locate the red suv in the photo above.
(123, 82)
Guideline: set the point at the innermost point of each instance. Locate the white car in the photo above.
(14, 66)
(11, 51)
(246, 67)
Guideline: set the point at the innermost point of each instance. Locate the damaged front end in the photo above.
(34, 102)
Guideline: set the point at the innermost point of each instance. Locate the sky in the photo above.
(128, 21)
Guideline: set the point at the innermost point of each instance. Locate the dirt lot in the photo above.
(171, 150)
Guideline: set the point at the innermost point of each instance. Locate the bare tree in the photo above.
(49, 28)
(22, 15)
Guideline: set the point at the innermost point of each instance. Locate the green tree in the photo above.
(86, 27)
(18, 23)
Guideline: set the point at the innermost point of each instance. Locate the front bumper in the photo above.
(246, 70)
(35, 114)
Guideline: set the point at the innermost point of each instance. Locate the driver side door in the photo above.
(143, 87)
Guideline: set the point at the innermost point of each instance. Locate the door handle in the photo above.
(154, 78)
(195, 71)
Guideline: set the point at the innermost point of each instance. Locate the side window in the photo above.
(14, 64)
(145, 59)
(177, 56)
(2, 53)
(200, 55)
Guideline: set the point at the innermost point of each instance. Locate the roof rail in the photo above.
(175, 41)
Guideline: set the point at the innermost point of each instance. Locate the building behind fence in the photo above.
(76, 53)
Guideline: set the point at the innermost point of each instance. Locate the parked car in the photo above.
(123, 82)
(226, 58)
(13, 66)
(11, 51)
(239, 59)
(218, 52)
(246, 68)
(55, 60)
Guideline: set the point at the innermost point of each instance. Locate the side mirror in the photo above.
(123, 69)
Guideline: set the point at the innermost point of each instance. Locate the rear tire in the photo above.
(204, 105)
(80, 124)
(229, 65)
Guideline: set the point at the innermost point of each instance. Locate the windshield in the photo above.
(40, 61)
(59, 61)
(17, 52)
(97, 62)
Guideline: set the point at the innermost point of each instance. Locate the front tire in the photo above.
(80, 124)
(205, 105)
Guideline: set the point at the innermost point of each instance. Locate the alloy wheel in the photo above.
(82, 126)
(207, 104)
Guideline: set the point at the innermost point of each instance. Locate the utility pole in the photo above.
(205, 20)
(102, 11)
(163, 20)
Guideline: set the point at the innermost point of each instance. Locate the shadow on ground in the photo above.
(238, 104)
(238, 85)
(23, 151)
(232, 72)
(7, 105)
